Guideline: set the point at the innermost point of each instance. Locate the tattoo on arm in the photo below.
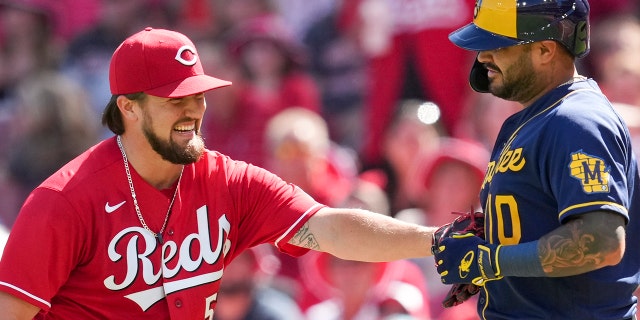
(574, 250)
(304, 238)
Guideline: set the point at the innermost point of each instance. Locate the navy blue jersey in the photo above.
(568, 153)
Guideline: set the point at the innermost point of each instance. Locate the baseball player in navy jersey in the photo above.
(560, 194)
(142, 225)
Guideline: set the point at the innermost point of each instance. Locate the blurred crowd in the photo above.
(361, 103)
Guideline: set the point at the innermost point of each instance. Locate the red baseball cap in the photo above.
(159, 62)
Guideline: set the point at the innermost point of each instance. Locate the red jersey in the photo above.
(78, 250)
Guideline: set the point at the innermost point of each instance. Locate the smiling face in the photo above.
(172, 127)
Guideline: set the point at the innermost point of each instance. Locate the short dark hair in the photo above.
(111, 116)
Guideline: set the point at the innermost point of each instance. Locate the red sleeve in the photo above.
(43, 248)
(269, 209)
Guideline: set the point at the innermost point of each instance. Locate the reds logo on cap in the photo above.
(159, 62)
(187, 52)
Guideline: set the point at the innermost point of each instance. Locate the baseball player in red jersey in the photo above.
(142, 225)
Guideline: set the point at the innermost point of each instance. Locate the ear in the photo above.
(126, 107)
(547, 50)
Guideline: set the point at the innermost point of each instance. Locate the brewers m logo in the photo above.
(591, 171)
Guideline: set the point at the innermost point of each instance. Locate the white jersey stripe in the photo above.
(25, 293)
(295, 224)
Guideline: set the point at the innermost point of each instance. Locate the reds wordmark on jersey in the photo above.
(86, 226)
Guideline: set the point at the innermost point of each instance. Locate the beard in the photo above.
(172, 151)
(517, 81)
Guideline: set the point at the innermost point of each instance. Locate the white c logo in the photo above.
(182, 60)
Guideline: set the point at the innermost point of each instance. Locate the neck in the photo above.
(567, 80)
(554, 80)
(156, 171)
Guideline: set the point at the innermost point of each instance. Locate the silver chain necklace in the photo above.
(158, 235)
(572, 80)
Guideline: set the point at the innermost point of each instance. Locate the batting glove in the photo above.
(466, 258)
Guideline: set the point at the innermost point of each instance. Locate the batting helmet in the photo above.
(503, 23)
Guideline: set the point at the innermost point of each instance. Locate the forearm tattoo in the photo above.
(304, 238)
(571, 251)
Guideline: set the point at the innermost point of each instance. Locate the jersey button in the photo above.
(178, 303)
(170, 232)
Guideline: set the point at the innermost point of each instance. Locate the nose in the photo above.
(483, 56)
(195, 106)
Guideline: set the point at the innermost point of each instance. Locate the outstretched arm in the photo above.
(356, 234)
(14, 308)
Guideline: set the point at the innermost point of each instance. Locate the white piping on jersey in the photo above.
(295, 224)
(147, 298)
(25, 293)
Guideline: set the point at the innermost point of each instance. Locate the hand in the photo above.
(466, 258)
(459, 293)
(470, 222)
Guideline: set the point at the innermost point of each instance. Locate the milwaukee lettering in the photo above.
(137, 254)
(510, 160)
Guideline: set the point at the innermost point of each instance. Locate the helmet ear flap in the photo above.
(581, 39)
(479, 78)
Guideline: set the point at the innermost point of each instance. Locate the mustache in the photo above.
(491, 66)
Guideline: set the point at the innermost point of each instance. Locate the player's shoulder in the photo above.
(214, 161)
(586, 96)
(584, 111)
(583, 102)
(89, 168)
(216, 164)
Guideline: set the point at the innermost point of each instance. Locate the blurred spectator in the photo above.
(339, 66)
(602, 9)
(299, 15)
(232, 14)
(413, 131)
(447, 181)
(365, 291)
(615, 43)
(219, 124)
(76, 16)
(483, 118)
(409, 56)
(28, 46)
(631, 116)
(273, 79)
(53, 124)
(338, 289)
(245, 292)
(219, 54)
(67, 18)
(88, 55)
(299, 150)
(200, 19)
(27, 49)
(4, 235)
(28, 43)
